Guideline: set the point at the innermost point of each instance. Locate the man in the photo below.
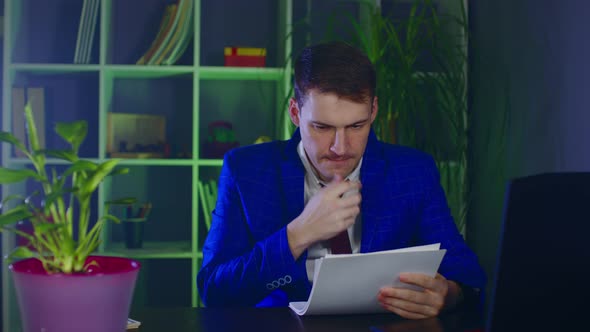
(281, 205)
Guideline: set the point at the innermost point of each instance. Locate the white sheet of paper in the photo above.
(348, 284)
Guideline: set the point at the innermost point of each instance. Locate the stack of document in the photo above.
(349, 284)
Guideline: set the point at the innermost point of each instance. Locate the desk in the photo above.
(283, 319)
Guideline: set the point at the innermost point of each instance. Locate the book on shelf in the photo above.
(92, 30)
(18, 118)
(165, 25)
(208, 197)
(173, 37)
(180, 34)
(86, 31)
(185, 39)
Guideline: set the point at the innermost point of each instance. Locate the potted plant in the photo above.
(60, 285)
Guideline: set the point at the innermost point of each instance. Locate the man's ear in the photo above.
(294, 111)
(374, 108)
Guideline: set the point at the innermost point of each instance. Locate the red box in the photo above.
(245, 57)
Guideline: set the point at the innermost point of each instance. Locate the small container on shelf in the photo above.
(134, 225)
(245, 57)
(134, 229)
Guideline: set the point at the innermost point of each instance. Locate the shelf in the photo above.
(156, 162)
(136, 71)
(50, 68)
(240, 73)
(210, 162)
(181, 249)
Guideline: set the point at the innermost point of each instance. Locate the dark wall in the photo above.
(529, 100)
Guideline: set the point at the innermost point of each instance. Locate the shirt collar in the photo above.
(353, 176)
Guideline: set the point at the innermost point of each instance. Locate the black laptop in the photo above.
(542, 277)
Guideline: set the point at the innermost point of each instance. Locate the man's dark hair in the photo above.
(334, 67)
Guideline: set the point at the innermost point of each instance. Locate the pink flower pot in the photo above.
(96, 301)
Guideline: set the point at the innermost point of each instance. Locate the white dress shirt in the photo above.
(311, 186)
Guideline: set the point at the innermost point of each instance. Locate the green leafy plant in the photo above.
(423, 109)
(62, 236)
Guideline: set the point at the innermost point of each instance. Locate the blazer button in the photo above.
(269, 286)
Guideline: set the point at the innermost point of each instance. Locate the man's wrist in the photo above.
(296, 240)
(455, 295)
(466, 296)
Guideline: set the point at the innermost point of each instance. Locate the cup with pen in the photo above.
(134, 223)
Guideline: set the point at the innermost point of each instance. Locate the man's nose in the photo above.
(339, 144)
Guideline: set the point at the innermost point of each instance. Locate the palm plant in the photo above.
(426, 110)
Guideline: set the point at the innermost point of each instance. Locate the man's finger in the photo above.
(420, 280)
(341, 188)
(404, 294)
(416, 308)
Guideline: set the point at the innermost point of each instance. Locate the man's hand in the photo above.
(438, 293)
(327, 213)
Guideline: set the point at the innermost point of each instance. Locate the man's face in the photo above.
(334, 131)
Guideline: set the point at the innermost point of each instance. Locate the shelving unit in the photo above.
(38, 51)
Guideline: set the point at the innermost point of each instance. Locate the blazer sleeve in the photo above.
(236, 269)
(460, 264)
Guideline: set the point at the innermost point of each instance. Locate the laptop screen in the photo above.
(542, 277)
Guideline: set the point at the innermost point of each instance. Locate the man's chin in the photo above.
(329, 175)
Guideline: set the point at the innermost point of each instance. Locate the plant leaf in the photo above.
(11, 139)
(68, 155)
(31, 127)
(73, 132)
(20, 253)
(81, 166)
(110, 217)
(120, 171)
(56, 194)
(10, 198)
(124, 200)
(46, 227)
(8, 175)
(90, 185)
(14, 215)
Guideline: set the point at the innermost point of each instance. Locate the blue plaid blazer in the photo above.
(246, 256)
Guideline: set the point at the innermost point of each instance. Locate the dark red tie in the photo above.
(340, 244)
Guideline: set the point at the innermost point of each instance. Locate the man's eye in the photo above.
(320, 127)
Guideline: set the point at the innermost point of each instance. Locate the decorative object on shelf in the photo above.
(134, 225)
(58, 277)
(136, 136)
(221, 138)
(244, 56)
(173, 37)
(262, 139)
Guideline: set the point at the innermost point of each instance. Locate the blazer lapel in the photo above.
(372, 174)
(292, 179)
